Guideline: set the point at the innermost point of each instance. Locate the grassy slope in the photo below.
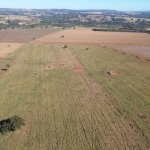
(66, 110)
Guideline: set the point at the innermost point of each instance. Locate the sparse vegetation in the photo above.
(7, 66)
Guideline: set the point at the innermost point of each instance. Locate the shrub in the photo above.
(11, 124)
(7, 65)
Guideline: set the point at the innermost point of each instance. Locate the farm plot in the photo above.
(69, 101)
(24, 35)
(137, 50)
(87, 36)
(8, 48)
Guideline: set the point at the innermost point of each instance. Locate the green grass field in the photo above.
(68, 110)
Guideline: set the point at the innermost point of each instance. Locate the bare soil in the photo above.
(78, 70)
(24, 35)
(113, 73)
(8, 48)
(56, 66)
(137, 50)
(87, 36)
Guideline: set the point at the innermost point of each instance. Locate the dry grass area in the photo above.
(87, 36)
(75, 104)
(24, 35)
(8, 48)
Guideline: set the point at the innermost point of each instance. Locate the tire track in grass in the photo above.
(72, 106)
(90, 98)
(83, 107)
(88, 87)
(90, 110)
(70, 94)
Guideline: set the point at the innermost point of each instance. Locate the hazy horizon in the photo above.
(78, 5)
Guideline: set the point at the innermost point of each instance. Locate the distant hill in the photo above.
(83, 10)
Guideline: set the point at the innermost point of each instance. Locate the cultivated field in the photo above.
(143, 51)
(8, 48)
(137, 44)
(70, 102)
(24, 35)
(87, 36)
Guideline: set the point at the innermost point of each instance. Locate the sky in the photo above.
(123, 5)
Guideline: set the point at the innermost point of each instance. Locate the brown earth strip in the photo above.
(24, 35)
(86, 35)
(8, 48)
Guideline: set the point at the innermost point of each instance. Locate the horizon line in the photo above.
(73, 9)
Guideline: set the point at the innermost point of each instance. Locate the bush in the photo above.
(7, 65)
(11, 124)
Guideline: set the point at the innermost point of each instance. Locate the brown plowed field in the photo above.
(23, 35)
(141, 50)
(87, 36)
(8, 48)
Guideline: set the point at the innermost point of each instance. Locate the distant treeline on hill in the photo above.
(123, 30)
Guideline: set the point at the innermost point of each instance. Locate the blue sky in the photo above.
(78, 4)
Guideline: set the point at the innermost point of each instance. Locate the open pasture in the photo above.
(70, 102)
(24, 35)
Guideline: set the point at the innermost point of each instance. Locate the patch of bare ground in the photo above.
(141, 51)
(99, 113)
(24, 35)
(19, 61)
(56, 66)
(8, 48)
(113, 73)
(25, 129)
(87, 36)
(78, 70)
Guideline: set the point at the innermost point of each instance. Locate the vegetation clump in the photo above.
(64, 46)
(7, 66)
(11, 124)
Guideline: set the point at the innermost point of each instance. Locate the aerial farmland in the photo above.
(75, 88)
